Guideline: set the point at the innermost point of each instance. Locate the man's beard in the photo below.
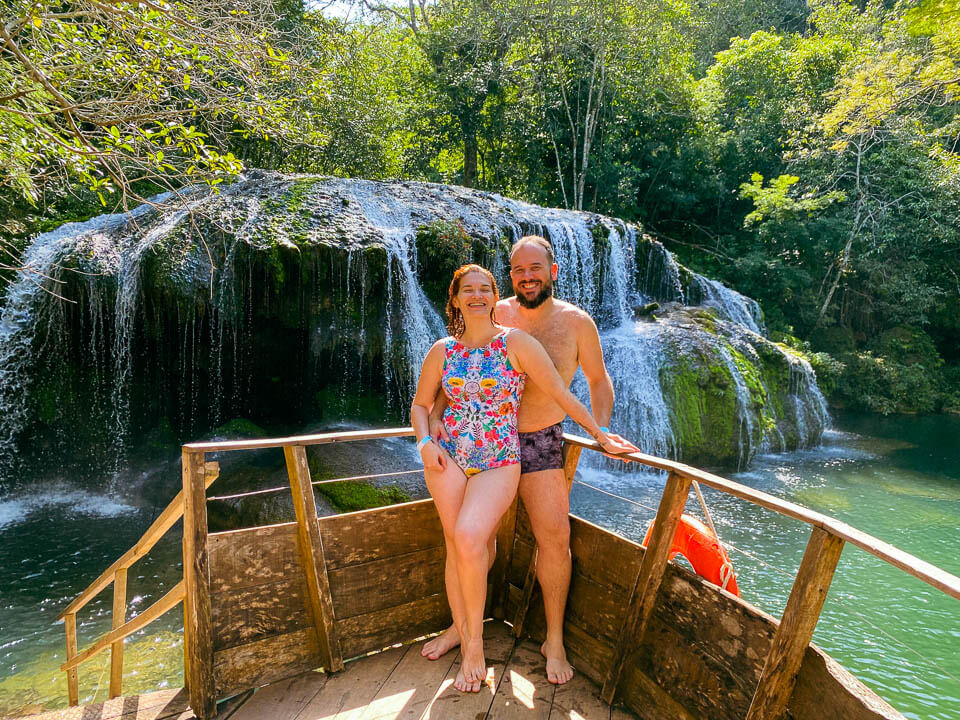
(546, 291)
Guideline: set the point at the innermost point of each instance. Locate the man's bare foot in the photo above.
(441, 644)
(559, 671)
(473, 667)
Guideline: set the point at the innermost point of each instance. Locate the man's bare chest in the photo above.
(560, 343)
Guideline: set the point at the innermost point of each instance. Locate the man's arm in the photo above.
(594, 370)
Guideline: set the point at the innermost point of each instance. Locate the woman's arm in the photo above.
(437, 430)
(423, 400)
(528, 356)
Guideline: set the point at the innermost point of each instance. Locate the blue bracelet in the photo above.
(423, 442)
(604, 429)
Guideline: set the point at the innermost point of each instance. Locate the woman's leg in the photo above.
(447, 489)
(450, 638)
(487, 497)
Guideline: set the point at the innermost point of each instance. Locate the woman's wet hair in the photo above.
(455, 323)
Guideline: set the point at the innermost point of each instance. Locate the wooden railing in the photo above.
(197, 477)
(781, 666)
(116, 574)
(807, 596)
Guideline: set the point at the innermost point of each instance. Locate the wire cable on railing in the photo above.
(897, 641)
(314, 482)
(613, 495)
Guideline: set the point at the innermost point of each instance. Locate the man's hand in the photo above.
(437, 431)
(433, 457)
(616, 447)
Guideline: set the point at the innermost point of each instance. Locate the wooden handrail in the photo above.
(174, 596)
(920, 569)
(320, 439)
(157, 529)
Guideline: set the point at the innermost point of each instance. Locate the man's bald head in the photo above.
(537, 241)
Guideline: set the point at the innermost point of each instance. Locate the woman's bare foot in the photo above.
(559, 671)
(441, 644)
(473, 666)
(464, 685)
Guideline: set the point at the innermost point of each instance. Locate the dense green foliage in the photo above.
(806, 154)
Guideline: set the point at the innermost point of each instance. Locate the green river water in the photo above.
(896, 478)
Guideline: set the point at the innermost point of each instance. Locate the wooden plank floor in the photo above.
(400, 684)
(397, 684)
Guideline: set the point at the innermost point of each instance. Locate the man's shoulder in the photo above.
(573, 314)
(507, 308)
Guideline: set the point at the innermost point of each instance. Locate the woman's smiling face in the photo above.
(476, 297)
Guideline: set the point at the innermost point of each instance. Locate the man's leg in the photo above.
(545, 497)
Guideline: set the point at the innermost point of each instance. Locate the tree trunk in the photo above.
(469, 154)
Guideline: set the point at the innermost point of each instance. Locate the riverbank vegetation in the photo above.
(806, 154)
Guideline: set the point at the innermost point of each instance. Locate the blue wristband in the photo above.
(604, 429)
(423, 443)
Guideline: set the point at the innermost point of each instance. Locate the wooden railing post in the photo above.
(652, 567)
(198, 650)
(312, 557)
(119, 618)
(793, 636)
(571, 458)
(73, 686)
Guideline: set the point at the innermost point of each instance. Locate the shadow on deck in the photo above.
(397, 684)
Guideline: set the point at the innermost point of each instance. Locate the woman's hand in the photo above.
(433, 457)
(437, 431)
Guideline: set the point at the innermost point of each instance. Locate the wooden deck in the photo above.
(397, 684)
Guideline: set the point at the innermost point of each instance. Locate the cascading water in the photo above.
(661, 277)
(422, 324)
(730, 304)
(743, 419)
(128, 297)
(634, 357)
(31, 296)
(316, 297)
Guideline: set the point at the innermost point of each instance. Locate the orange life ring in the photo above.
(700, 546)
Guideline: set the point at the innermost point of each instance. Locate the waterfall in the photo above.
(125, 314)
(661, 278)
(810, 412)
(744, 418)
(328, 268)
(729, 303)
(634, 356)
(421, 322)
(32, 293)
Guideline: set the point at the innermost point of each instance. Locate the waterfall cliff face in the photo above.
(299, 300)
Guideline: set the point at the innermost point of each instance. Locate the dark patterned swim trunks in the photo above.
(541, 449)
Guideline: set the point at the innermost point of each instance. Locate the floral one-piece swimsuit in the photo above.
(483, 392)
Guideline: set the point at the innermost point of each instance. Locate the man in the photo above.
(570, 337)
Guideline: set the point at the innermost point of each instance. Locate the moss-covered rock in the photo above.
(351, 495)
(731, 392)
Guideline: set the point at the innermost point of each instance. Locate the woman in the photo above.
(473, 479)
